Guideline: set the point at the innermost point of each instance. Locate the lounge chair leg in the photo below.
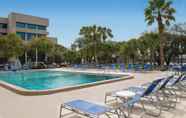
(121, 113)
(105, 99)
(60, 113)
(155, 104)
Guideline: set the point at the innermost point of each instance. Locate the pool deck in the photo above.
(13, 105)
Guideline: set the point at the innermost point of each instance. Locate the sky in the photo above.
(124, 17)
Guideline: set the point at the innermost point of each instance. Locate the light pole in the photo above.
(26, 58)
(113, 56)
(36, 57)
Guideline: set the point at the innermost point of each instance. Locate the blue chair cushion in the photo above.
(87, 107)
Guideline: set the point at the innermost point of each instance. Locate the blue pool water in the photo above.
(44, 80)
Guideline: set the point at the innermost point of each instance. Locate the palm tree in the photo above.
(161, 12)
(95, 35)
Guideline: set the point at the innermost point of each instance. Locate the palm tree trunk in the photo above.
(161, 51)
(161, 30)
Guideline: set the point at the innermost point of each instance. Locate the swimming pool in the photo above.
(49, 80)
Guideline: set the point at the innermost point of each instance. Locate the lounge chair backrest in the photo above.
(183, 68)
(113, 66)
(183, 77)
(165, 82)
(151, 87)
(130, 66)
(178, 79)
(147, 67)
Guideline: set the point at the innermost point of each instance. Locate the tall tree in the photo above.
(95, 35)
(11, 46)
(162, 12)
(151, 43)
(179, 33)
(43, 45)
(129, 51)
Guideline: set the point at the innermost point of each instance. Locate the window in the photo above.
(40, 27)
(20, 25)
(3, 26)
(22, 35)
(30, 36)
(31, 26)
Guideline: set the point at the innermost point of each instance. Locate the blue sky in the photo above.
(124, 17)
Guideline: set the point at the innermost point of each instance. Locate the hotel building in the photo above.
(26, 26)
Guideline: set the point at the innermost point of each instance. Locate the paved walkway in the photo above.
(47, 106)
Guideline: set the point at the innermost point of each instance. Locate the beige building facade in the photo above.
(26, 26)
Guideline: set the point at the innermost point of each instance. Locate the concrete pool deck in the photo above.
(13, 105)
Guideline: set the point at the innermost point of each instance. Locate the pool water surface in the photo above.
(44, 80)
